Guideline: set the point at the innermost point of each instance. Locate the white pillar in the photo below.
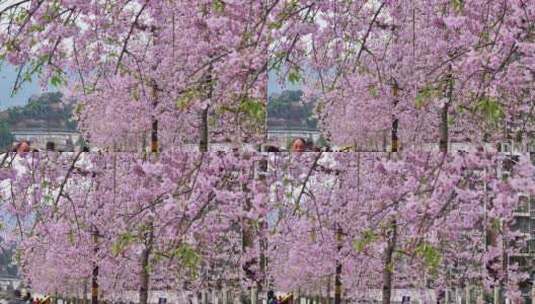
(480, 297)
(225, 295)
(215, 299)
(467, 294)
(237, 298)
(496, 295)
(204, 297)
(254, 295)
(533, 294)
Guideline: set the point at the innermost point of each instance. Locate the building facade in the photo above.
(63, 140)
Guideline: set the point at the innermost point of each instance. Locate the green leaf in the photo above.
(373, 91)
(122, 242)
(451, 120)
(490, 109)
(212, 121)
(48, 198)
(71, 237)
(21, 16)
(275, 25)
(425, 95)
(218, 6)
(57, 80)
(367, 237)
(253, 108)
(276, 62)
(37, 28)
(186, 99)
(294, 76)
(79, 109)
(10, 45)
(52, 11)
(17, 256)
(458, 5)
(135, 94)
(430, 256)
(148, 268)
(188, 257)
(496, 225)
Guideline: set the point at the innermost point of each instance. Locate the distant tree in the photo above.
(7, 263)
(6, 137)
(288, 110)
(45, 111)
(322, 142)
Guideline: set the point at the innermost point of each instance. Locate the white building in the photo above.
(7, 282)
(63, 139)
(281, 137)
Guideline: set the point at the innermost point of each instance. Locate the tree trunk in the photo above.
(145, 274)
(263, 225)
(395, 122)
(388, 271)
(203, 145)
(145, 254)
(94, 286)
(338, 276)
(94, 276)
(444, 130)
(154, 145)
(329, 290)
(144, 288)
(85, 300)
(249, 237)
(395, 139)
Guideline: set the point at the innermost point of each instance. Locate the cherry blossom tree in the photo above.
(443, 71)
(185, 71)
(397, 221)
(130, 223)
(368, 221)
(425, 71)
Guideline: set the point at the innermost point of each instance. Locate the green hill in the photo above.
(46, 111)
(287, 110)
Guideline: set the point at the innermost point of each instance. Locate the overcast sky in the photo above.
(8, 74)
(275, 87)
